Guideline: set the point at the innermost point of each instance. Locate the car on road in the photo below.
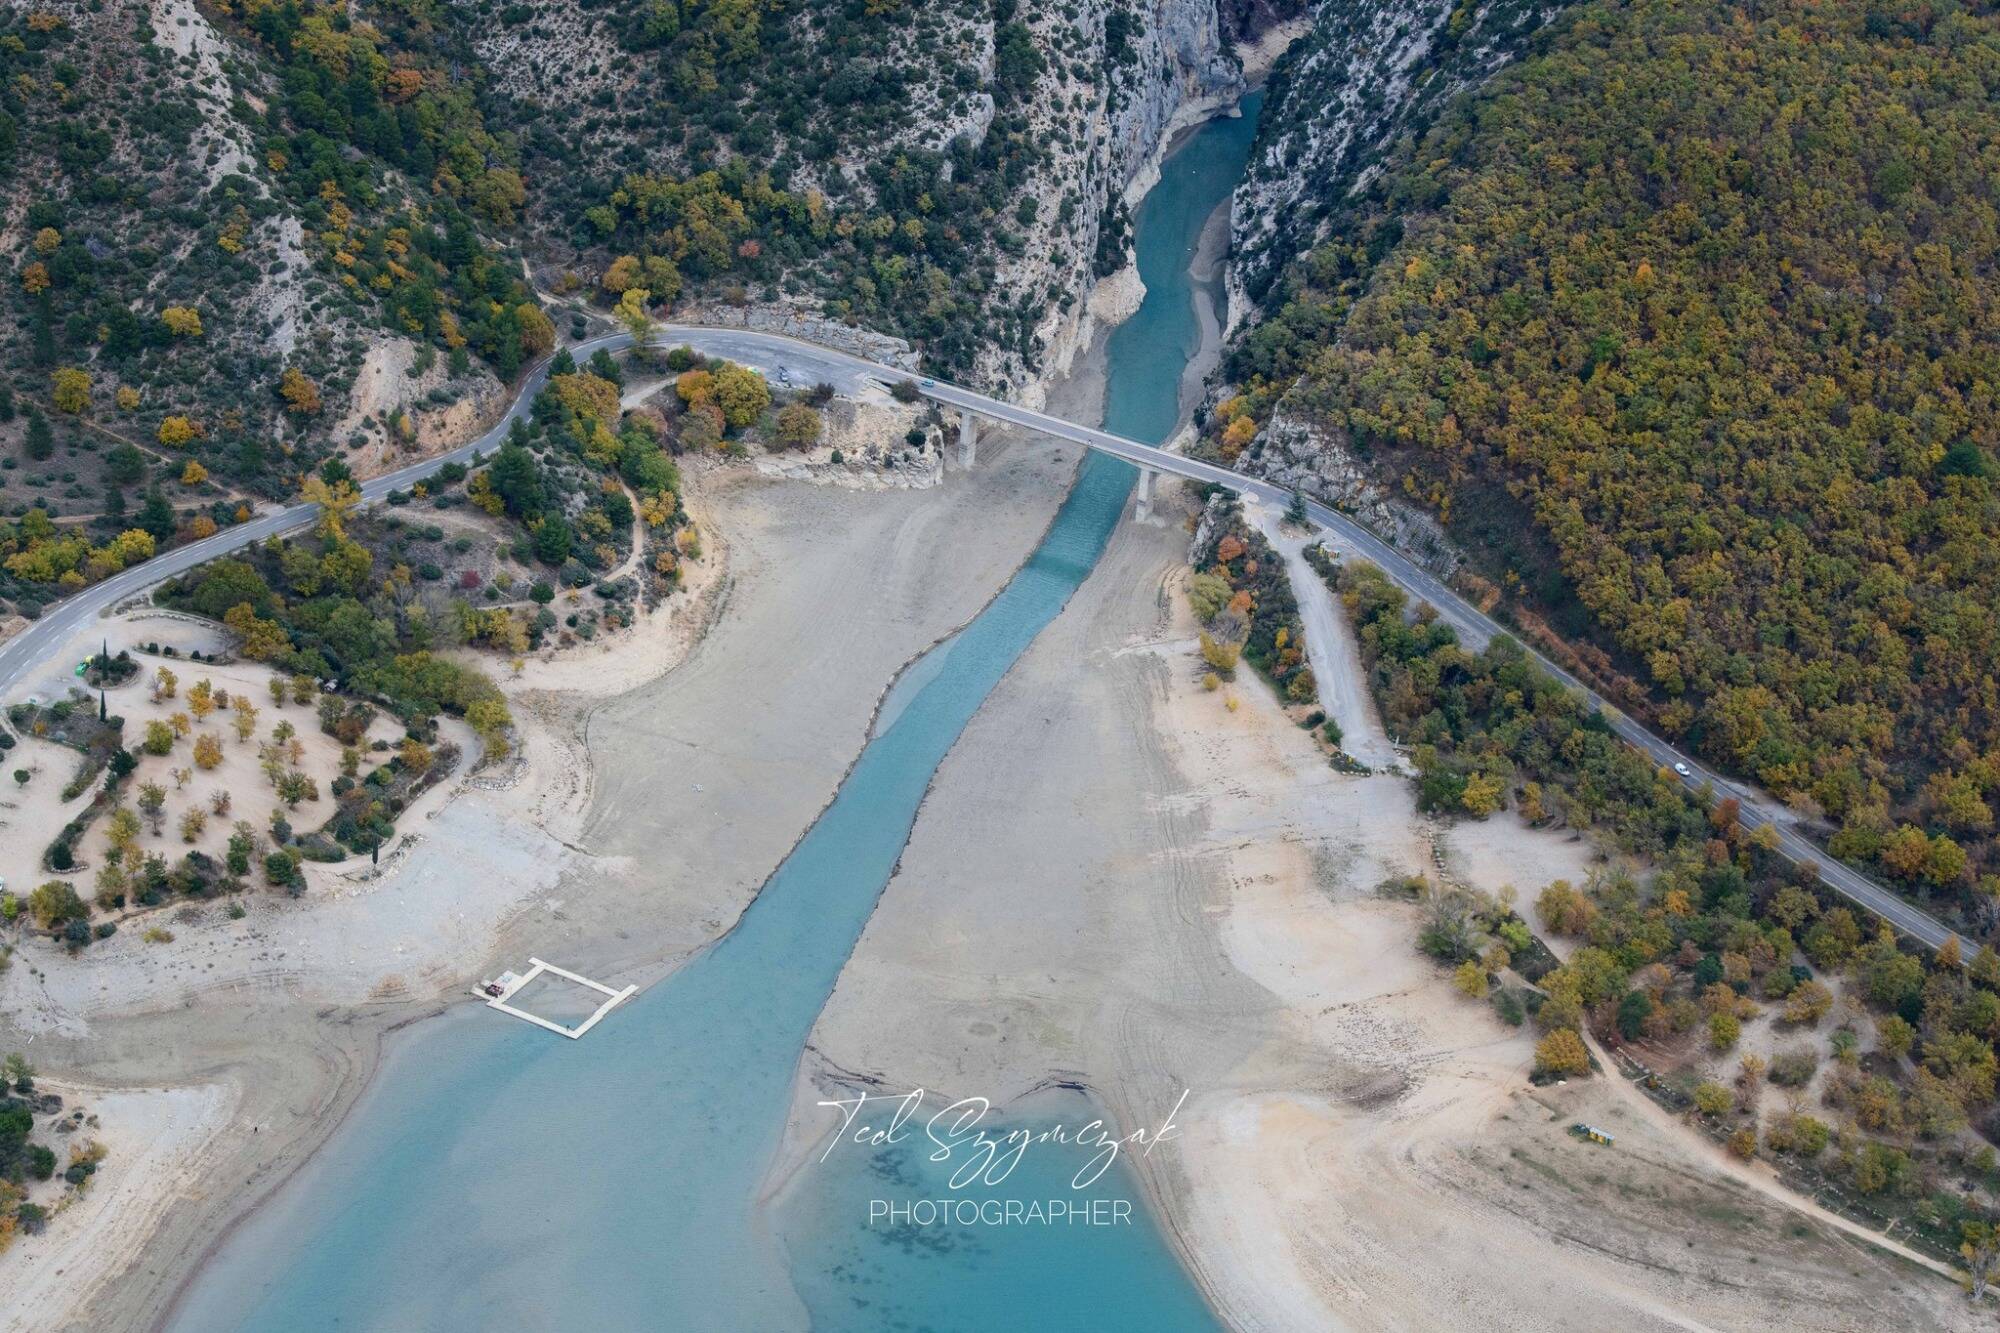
(928, 383)
(784, 377)
(1681, 769)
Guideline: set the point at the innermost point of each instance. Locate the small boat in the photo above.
(497, 987)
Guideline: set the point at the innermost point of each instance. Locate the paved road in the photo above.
(807, 363)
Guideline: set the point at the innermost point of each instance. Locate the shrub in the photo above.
(56, 903)
(1793, 1068)
(1712, 1099)
(1561, 1054)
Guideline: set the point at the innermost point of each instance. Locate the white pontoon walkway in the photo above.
(510, 986)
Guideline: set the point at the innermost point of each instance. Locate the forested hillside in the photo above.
(1692, 320)
(251, 236)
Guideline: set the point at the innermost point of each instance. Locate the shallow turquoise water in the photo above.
(496, 1176)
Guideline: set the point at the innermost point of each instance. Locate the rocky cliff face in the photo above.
(1296, 453)
(1074, 101)
(1366, 73)
(1128, 77)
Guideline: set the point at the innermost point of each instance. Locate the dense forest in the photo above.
(1689, 321)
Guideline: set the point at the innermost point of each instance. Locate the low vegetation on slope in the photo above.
(1726, 954)
(1690, 321)
(210, 235)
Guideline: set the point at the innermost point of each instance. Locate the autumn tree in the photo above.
(538, 333)
(335, 501)
(122, 832)
(1713, 1099)
(1561, 1054)
(695, 387)
(301, 395)
(1808, 1002)
(153, 804)
(1979, 1246)
(56, 903)
(69, 390)
(182, 321)
(742, 394)
(631, 314)
(798, 426)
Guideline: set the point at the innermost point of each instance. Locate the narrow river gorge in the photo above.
(497, 1175)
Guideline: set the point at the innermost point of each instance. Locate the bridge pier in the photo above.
(1142, 495)
(968, 438)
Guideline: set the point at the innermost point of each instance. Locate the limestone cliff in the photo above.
(1130, 77)
(1366, 73)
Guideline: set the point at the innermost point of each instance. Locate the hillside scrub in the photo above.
(1722, 928)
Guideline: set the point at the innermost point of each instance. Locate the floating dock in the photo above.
(499, 993)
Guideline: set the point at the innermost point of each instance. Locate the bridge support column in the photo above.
(1142, 495)
(968, 438)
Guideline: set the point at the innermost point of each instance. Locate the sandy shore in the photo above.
(1117, 881)
(666, 774)
(155, 1139)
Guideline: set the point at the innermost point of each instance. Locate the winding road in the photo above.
(808, 363)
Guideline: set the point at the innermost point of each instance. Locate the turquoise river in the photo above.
(495, 1177)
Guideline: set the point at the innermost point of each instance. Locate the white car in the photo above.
(1681, 769)
(928, 383)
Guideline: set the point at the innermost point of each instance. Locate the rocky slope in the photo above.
(1367, 73)
(336, 188)
(1364, 76)
(962, 163)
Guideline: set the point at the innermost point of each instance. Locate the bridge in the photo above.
(809, 363)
